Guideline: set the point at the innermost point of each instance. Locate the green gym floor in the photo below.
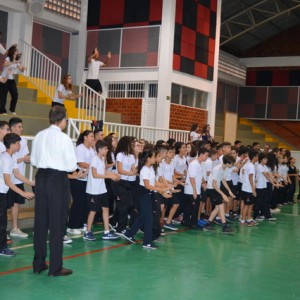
(261, 262)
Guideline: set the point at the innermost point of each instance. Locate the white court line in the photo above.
(73, 237)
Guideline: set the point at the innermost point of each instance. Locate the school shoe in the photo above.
(7, 252)
(67, 240)
(88, 236)
(150, 246)
(218, 222)
(245, 224)
(170, 226)
(208, 227)
(109, 236)
(18, 233)
(62, 272)
(41, 269)
(227, 229)
(129, 238)
(74, 231)
(271, 219)
(229, 219)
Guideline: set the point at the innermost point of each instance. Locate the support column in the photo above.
(165, 64)
(212, 97)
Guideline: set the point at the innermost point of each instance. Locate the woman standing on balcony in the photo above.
(64, 91)
(12, 62)
(92, 79)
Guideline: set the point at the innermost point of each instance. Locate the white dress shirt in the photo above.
(53, 149)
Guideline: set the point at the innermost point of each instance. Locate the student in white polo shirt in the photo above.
(94, 65)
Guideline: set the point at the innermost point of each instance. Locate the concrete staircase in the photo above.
(248, 132)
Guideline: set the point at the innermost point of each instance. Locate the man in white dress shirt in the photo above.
(54, 155)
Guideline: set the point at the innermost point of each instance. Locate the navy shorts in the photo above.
(224, 190)
(96, 202)
(215, 197)
(95, 85)
(248, 198)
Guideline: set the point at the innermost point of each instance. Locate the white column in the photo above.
(80, 43)
(19, 27)
(165, 64)
(212, 97)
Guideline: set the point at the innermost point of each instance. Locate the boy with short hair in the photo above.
(14, 200)
(97, 192)
(217, 197)
(248, 192)
(8, 169)
(192, 188)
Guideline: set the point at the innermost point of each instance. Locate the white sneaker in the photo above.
(18, 233)
(73, 231)
(67, 240)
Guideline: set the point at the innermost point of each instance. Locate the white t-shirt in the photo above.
(148, 174)
(61, 88)
(261, 180)
(85, 155)
(234, 175)
(14, 69)
(2, 147)
(93, 69)
(180, 164)
(127, 162)
(20, 154)
(195, 171)
(283, 171)
(166, 170)
(7, 165)
(96, 186)
(246, 170)
(195, 136)
(217, 173)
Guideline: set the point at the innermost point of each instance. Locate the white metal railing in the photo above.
(91, 105)
(44, 73)
(151, 134)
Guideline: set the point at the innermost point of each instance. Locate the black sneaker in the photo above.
(208, 227)
(129, 238)
(227, 229)
(150, 246)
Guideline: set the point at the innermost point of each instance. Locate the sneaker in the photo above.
(150, 246)
(162, 232)
(8, 239)
(13, 113)
(202, 222)
(275, 211)
(109, 236)
(7, 252)
(84, 228)
(229, 219)
(208, 227)
(252, 222)
(67, 240)
(74, 231)
(129, 238)
(88, 236)
(279, 205)
(170, 226)
(18, 233)
(227, 229)
(271, 219)
(259, 218)
(177, 221)
(245, 224)
(218, 222)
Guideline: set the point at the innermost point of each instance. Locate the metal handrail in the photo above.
(41, 71)
(91, 105)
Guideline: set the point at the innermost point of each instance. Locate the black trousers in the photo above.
(191, 208)
(51, 211)
(3, 221)
(145, 218)
(11, 87)
(78, 211)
